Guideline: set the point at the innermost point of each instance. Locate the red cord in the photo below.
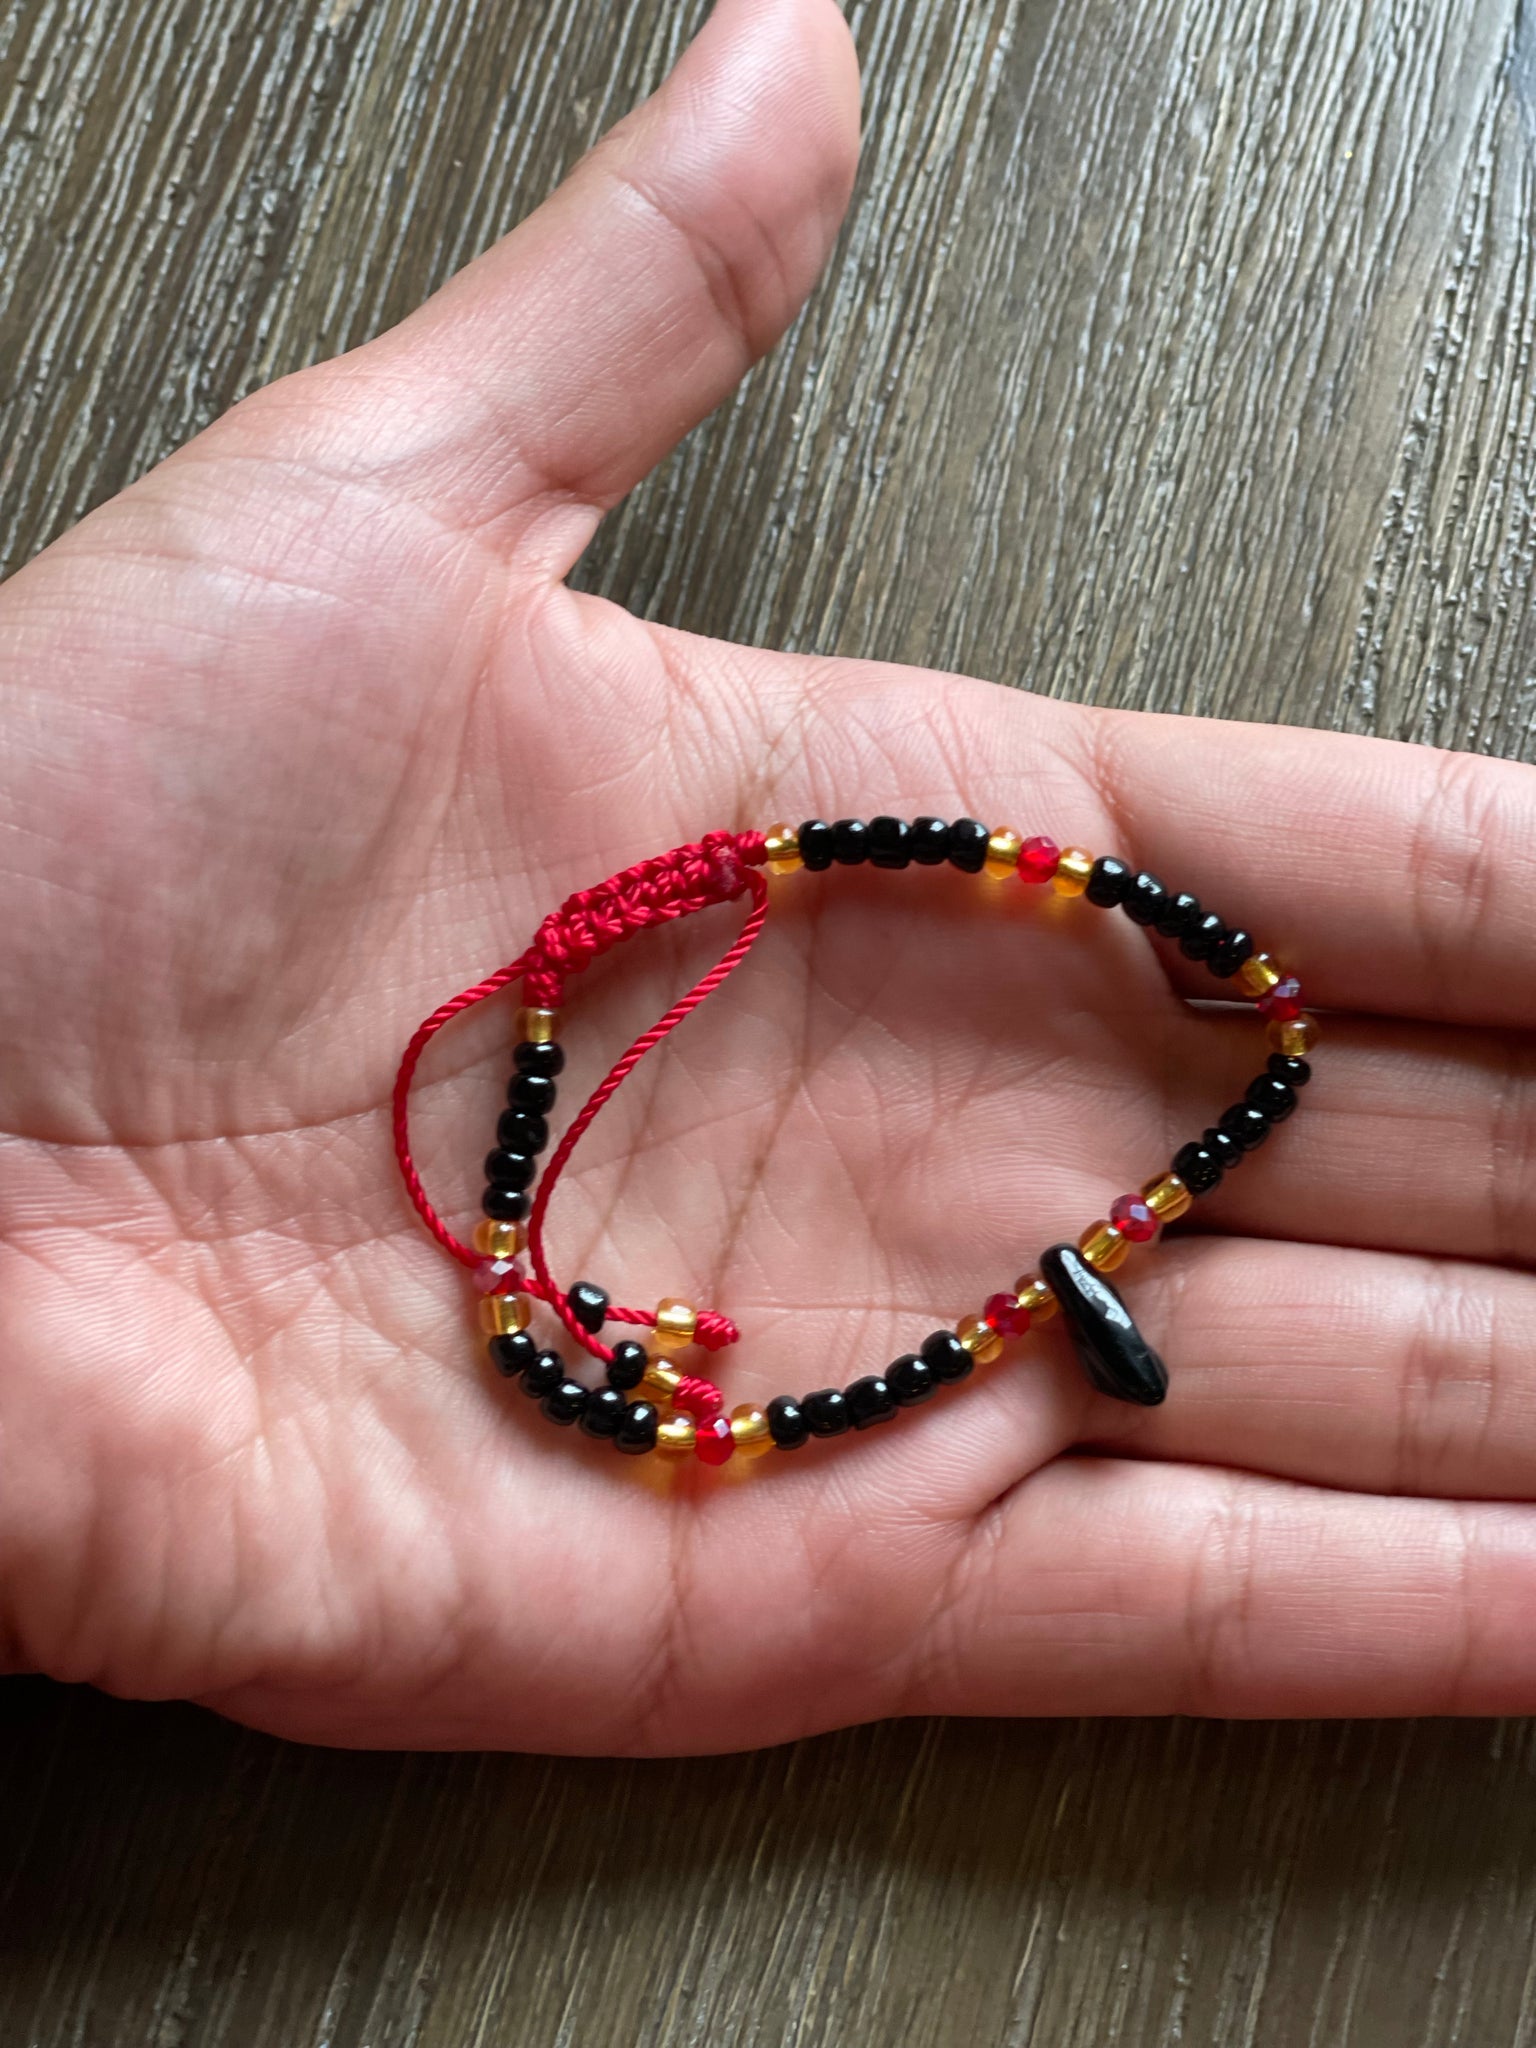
(716, 869)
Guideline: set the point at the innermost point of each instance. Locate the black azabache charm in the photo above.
(1116, 1357)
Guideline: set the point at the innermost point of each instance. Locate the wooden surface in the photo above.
(1176, 354)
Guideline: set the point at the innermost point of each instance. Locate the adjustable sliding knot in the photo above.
(652, 892)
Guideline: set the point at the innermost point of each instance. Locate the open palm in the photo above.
(306, 730)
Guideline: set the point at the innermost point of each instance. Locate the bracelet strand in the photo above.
(648, 1402)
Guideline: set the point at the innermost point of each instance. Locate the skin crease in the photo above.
(304, 732)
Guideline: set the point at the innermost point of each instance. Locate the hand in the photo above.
(305, 731)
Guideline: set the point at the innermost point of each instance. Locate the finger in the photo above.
(1107, 1586)
(551, 374)
(1365, 1370)
(1408, 1137)
(1395, 879)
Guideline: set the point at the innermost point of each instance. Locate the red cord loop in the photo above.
(716, 869)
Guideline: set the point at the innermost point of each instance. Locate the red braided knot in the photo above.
(716, 869)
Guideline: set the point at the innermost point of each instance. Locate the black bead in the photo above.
(911, 1379)
(532, 1058)
(1275, 1097)
(510, 1169)
(815, 842)
(603, 1411)
(890, 842)
(850, 842)
(870, 1401)
(543, 1374)
(1285, 1068)
(1147, 901)
(1113, 1353)
(948, 1357)
(929, 842)
(533, 1091)
(968, 845)
(1198, 1168)
(519, 1130)
(626, 1368)
(1178, 915)
(1203, 937)
(589, 1305)
(826, 1412)
(511, 1353)
(564, 1404)
(1229, 954)
(787, 1424)
(1108, 882)
(1248, 1125)
(504, 1205)
(637, 1428)
(1222, 1146)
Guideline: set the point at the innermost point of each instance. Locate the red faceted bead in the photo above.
(1037, 860)
(1133, 1219)
(1006, 1314)
(497, 1276)
(1283, 1003)
(698, 1397)
(713, 1442)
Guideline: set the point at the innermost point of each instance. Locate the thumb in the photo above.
(545, 379)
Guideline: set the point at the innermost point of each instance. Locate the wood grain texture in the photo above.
(1175, 354)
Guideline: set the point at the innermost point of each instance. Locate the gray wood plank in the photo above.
(1174, 355)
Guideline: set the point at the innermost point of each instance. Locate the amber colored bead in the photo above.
(500, 1240)
(537, 1027)
(1002, 853)
(503, 1314)
(1036, 1297)
(783, 843)
(674, 1436)
(662, 1379)
(1072, 872)
(1167, 1197)
(1294, 1036)
(1257, 975)
(749, 1427)
(677, 1324)
(979, 1338)
(1103, 1246)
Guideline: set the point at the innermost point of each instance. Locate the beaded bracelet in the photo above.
(680, 1413)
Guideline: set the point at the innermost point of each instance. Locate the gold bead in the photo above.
(1257, 975)
(1036, 1297)
(503, 1315)
(1072, 872)
(783, 849)
(1294, 1036)
(749, 1428)
(1003, 853)
(536, 1027)
(979, 1338)
(674, 1436)
(1167, 1197)
(661, 1379)
(676, 1324)
(500, 1240)
(1103, 1247)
